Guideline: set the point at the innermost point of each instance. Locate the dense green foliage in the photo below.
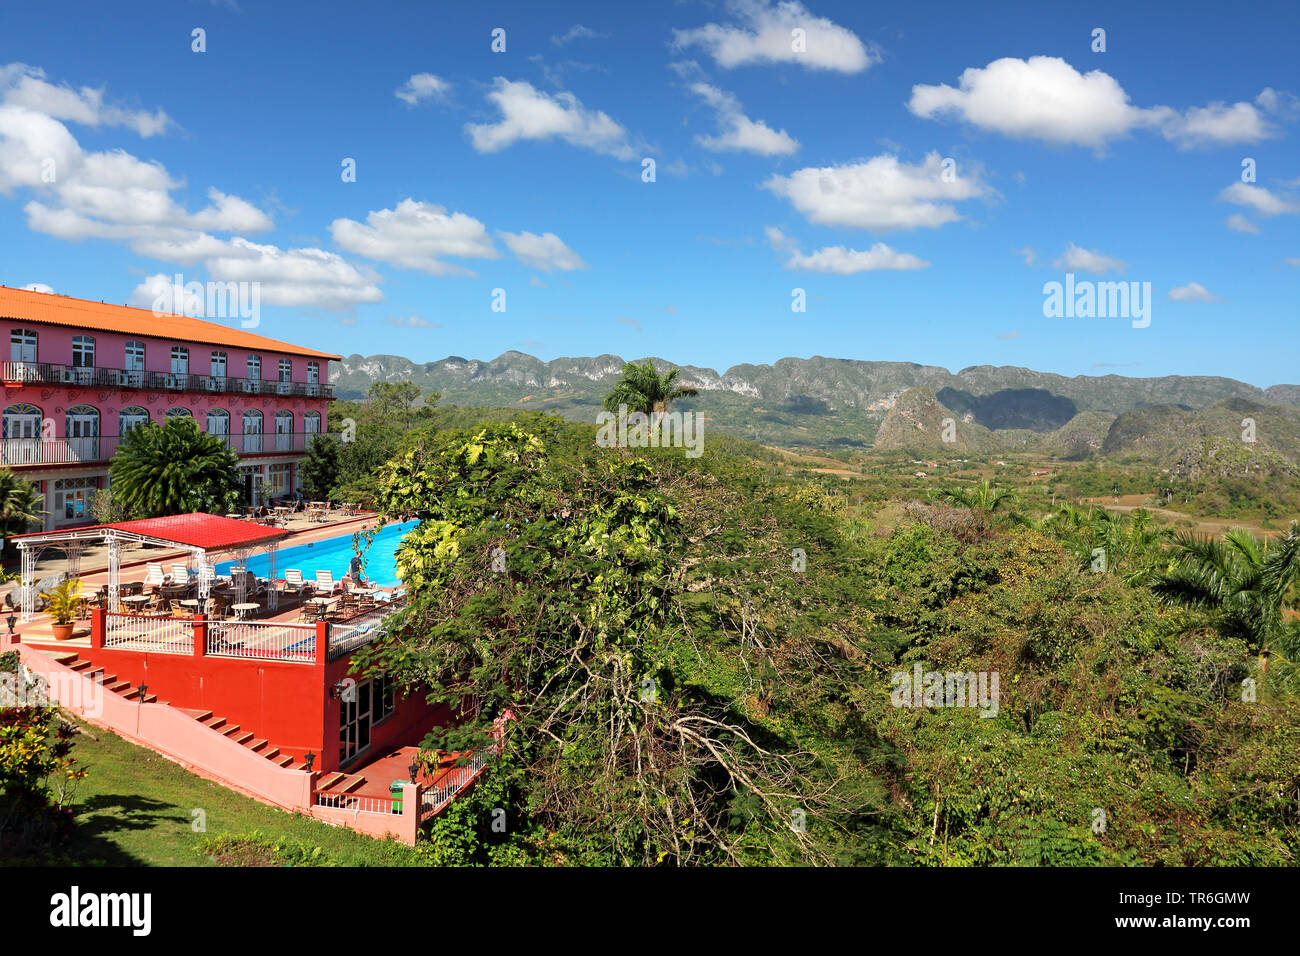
(20, 504)
(699, 655)
(174, 468)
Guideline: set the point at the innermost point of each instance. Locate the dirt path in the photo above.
(1210, 526)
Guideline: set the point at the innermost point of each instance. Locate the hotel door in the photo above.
(354, 721)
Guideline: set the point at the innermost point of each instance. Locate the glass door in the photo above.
(354, 721)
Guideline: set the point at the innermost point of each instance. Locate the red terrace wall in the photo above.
(283, 702)
(288, 704)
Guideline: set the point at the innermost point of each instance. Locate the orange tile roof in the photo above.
(45, 307)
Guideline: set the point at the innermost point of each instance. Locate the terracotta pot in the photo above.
(62, 632)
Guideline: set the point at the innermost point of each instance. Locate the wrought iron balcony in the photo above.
(45, 373)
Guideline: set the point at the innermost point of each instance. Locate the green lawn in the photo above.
(137, 809)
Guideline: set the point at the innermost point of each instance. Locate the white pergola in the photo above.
(198, 534)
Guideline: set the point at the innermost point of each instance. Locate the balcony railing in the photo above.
(17, 452)
(44, 373)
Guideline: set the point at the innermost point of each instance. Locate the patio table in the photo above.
(241, 610)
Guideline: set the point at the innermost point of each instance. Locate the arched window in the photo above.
(219, 423)
(252, 431)
(82, 433)
(311, 423)
(179, 413)
(284, 431)
(22, 435)
(133, 416)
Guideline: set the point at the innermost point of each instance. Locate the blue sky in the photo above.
(819, 168)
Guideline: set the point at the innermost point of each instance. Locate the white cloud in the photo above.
(1087, 260)
(422, 86)
(1040, 98)
(762, 32)
(1218, 124)
(879, 195)
(1193, 292)
(529, 113)
(416, 235)
(737, 131)
(631, 322)
(1259, 199)
(1046, 98)
(26, 86)
(38, 287)
(576, 32)
(1028, 254)
(1240, 223)
(546, 252)
(292, 277)
(411, 322)
(839, 260)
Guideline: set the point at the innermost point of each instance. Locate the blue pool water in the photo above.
(335, 554)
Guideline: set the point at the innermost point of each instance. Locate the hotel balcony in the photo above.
(44, 373)
(27, 452)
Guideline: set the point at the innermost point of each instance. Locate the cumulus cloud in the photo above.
(736, 131)
(576, 32)
(839, 260)
(1239, 223)
(546, 252)
(1193, 292)
(762, 32)
(1046, 98)
(38, 287)
(416, 235)
(290, 277)
(1259, 200)
(529, 113)
(114, 195)
(880, 195)
(26, 86)
(420, 87)
(1078, 259)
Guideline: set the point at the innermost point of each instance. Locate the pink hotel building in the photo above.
(81, 374)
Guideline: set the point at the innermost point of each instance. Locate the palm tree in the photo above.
(642, 389)
(982, 498)
(1243, 583)
(174, 468)
(20, 504)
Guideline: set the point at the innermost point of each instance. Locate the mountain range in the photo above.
(829, 403)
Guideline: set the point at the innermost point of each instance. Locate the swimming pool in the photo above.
(334, 555)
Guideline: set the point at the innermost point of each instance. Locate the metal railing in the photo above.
(360, 631)
(47, 373)
(17, 452)
(357, 804)
(261, 641)
(158, 634)
(435, 798)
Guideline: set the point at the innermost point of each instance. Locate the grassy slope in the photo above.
(135, 809)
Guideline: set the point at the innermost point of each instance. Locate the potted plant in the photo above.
(61, 603)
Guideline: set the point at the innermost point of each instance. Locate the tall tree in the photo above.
(320, 469)
(643, 389)
(174, 468)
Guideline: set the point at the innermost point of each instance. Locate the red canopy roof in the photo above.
(210, 532)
